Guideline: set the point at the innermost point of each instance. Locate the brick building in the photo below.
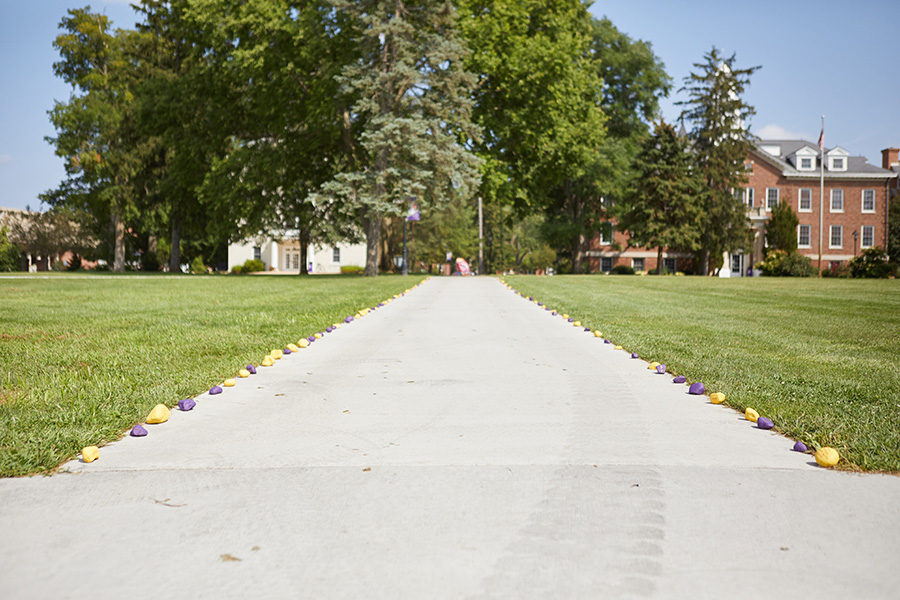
(856, 197)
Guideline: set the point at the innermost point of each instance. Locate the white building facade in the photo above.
(282, 255)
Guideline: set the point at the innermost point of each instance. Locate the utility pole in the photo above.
(480, 238)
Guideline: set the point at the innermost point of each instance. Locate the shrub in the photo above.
(351, 269)
(842, 271)
(197, 266)
(253, 266)
(150, 261)
(237, 269)
(872, 264)
(10, 257)
(74, 263)
(622, 270)
(779, 263)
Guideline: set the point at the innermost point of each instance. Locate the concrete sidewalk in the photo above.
(459, 443)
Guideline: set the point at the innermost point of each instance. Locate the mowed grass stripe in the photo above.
(82, 360)
(818, 357)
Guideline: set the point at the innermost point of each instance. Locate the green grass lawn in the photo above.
(818, 357)
(84, 359)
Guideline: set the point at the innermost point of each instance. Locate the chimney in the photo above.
(889, 157)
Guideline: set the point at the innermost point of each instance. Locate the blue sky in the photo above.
(834, 58)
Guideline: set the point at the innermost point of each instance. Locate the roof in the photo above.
(857, 166)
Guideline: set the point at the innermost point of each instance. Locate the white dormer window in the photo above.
(805, 159)
(837, 159)
(805, 163)
(837, 164)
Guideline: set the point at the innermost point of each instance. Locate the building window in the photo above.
(669, 264)
(257, 253)
(837, 164)
(737, 263)
(868, 236)
(868, 201)
(637, 264)
(837, 237)
(805, 200)
(771, 198)
(606, 234)
(837, 200)
(749, 195)
(336, 255)
(606, 264)
(806, 163)
(803, 233)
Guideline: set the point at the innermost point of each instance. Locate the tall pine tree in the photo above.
(721, 142)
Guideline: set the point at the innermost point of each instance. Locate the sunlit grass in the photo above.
(84, 359)
(819, 357)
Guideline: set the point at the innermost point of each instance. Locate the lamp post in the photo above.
(855, 237)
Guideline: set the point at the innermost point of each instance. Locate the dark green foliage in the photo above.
(253, 266)
(894, 231)
(872, 264)
(780, 263)
(622, 270)
(841, 271)
(721, 141)
(10, 256)
(781, 228)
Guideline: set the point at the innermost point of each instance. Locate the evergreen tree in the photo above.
(781, 228)
(413, 110)
(664, 207)
(721, 142)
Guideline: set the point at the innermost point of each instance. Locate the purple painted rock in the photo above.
(188, 403)
(764, 423)
(661, 369)
(347, 319)
(607, 342)
(634, 355)
(798, 447)
(540, 303)
(311, 338)
(329, 329)
(530, 298)
(571, 320)
(251, 369)
(380, 304)
(554, 313)
(138, 431)
(679, 379)
(214, 390)
(697, 389)
(287, 350)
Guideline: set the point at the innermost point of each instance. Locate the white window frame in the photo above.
(808, 243)
(834, 167)
(840, 234)
(840, 192)
(749, 196)
(634, 264)
(804, 167)
(768, 198)
(862, 202)
(336, 255)
(800, 200)
(862, 237)
(602, 260)
(607, 229)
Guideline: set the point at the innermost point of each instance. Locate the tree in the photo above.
(448, 227)
(10, 256)
(721, 142)
(50, 234)
(663, 209)
(413, 110)
(96, 131)
(781, 229)
(894, 231)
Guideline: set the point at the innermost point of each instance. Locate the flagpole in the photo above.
(821, 189)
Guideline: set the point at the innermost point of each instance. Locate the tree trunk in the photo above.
(659, 261)
(175, 255)
(373, 236)
(304, 247)
(119, 237)
(704, 262)
(578, 255)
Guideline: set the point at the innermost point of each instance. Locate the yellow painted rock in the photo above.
(303, 343)
(827, 457)
(229, 383)
(597, 333)
(267, 361)
(338, 325)
(751, 415)
(159, 414)
(244, 373)
(565, 316)
(90, 453)
(717, 398)
(576, 324)
(318, 336)
(276, 354)
(293, 347)
(652, 366)
(617, 348)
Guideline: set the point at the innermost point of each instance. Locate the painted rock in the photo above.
(90, 453)
(587, 328)
(679, 379)
(267, 361)
(251, 369)
(329, 329)
(286, 351)
(800, 447)
(311, 339)
(607, 342)
(661, 369)
(186, 404)
(138, 431)
(229, 383)
(554, 313)
(751, 415)
(697, 389)
(348, 319)
(576, 324)
(764, 423)
(276, 354)
(565, 316)
(293, 347)
(304, 343)
(243, 373)
(570, 319)
(540, 303)
(827, 457)
(318, 336)
(215, 390)
(159, 414)
(652, 366)
(717, 397)
(617, 347)
(634, 355)
(597, 333)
